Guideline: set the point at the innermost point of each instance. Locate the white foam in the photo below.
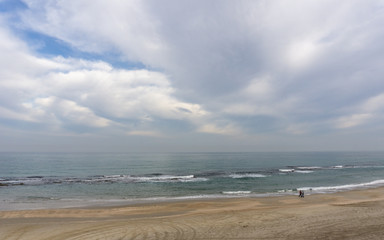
(309, 168)
(344, 187)
(169, 178)
(114, 176)
(236, 192)
(285, 191)
(338, 166)
(287, 170)
(25, 181)
(304, 171)
(106, 178)
(247, 175)
(356, 166)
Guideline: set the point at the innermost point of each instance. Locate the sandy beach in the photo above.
(346, 215)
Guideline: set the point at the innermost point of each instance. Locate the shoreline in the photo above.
(47, 203)
(355, 214)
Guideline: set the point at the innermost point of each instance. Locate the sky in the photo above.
(193, 75)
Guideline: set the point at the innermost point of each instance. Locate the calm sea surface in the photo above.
(44, 180)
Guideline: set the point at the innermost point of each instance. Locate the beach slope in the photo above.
(346, 215)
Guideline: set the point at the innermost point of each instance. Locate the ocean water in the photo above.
(47, 180)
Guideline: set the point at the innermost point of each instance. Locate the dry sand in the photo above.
(347, 215)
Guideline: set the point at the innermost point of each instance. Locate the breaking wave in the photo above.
(157, 178)
(236, 192)
(247, 175)
(325, 189)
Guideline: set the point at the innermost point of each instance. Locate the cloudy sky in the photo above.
(170, 75)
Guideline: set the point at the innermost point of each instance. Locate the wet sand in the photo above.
(346, 215)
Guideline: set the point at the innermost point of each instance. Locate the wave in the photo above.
(309, 168)
(22, 181)
(353, 166)
(155, 178)
(304, 171)
(247, 175)
(147, 178)
(337, 166)
(236, 192)
(325, 189)
(211, 174)
(168, 178)
(182, 178)
(40, 198)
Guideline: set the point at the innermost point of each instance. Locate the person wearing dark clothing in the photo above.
(301, 193)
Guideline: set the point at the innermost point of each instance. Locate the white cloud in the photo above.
(373, 104)
(302, 53)
(123, 23)
(59, 92)
(14, 115)
(368, 110)
(353, 120)
(228, 129)
(297, 129)
(260, 88)
(97, 97)
(145, 133)
(124, 93)
(70, 111)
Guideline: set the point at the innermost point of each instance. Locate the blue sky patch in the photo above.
(49, 46)
(11, 5)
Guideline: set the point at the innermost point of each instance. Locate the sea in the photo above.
(62, 180)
